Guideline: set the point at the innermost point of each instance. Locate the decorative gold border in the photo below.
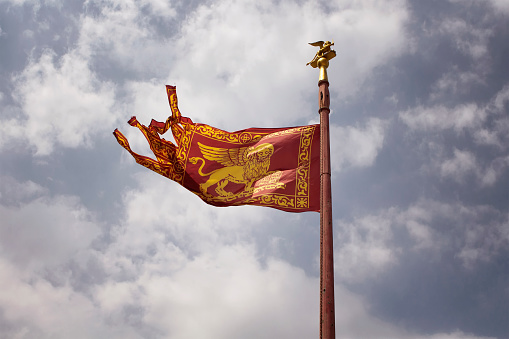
(273, 199)
(232, 138)
(304, 166)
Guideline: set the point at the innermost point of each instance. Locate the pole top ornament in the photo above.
(322, 57)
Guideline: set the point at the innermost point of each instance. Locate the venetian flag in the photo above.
(273, 167)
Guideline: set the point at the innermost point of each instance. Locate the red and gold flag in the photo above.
(274, 167)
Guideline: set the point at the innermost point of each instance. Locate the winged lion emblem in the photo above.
(243, 165)
(325, 51)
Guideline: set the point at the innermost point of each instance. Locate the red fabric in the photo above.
(274, 167)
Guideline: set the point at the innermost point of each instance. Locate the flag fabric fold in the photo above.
(273, 167)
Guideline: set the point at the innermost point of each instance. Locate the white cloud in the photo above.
(34, 308)
(496, 134)
(459, 166)
(259, 77)
(165, 209)
(481, 242)
(469, 39)
(454, 82)
(468, 117)
(45, 232)
(487, 125)
(366, 246)
(251, 78)
(178, 262)
(474, 233)
(356, 146)
(12, 191)
(72, 105)
(157, 8)
(170, 241)
(238, 298)
(439, 117)
(123, 35)
(174, 262)
(64, 104)
(453, 335)
(501, 98)
(147, 100)
(500, 5)
(464, 163)
(31, 2)
(494, 171)
(367, 34)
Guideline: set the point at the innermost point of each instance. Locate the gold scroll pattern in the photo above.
(270, 200)
(302, 186)
(185, 139)
(233, 138)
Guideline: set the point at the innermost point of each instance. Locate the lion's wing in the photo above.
(317, 44)
(224, 156)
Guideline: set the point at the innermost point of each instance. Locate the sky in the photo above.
(93, 245)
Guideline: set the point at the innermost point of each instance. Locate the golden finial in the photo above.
(322, 57)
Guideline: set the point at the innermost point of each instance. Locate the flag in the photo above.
(273, 167)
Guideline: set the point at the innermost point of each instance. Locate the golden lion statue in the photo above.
(243, 165)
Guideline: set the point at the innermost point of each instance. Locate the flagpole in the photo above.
(327, 317)
(327, 312)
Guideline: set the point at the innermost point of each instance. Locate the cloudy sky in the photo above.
(93, 245)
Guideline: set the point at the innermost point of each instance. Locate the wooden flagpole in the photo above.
(327, 312)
